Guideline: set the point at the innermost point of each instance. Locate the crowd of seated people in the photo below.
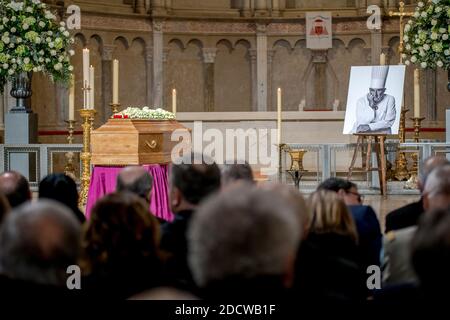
(230, 238)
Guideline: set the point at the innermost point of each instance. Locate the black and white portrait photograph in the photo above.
(375, 99)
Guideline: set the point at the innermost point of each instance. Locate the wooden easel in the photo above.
(375, 143)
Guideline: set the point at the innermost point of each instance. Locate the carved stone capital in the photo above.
(158, 25)
(166, 52)
(270, 55)
(107, 52)
(319, 56)
(209, 55)
(253, 55)
(149, 54)
(261, 29)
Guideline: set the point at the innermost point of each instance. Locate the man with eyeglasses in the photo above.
(376, 111)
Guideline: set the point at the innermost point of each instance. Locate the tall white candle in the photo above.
(92, 87)
(383, 59)
(72, 99)
(174, 101)
(279, 109)
(417, 93)
(86, 64)
(115, 82)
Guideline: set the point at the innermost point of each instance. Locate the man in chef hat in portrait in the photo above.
(376, 112)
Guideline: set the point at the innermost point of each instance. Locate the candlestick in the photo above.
(115, 107)
(69, 168)
(86, 115)
(86, 64)
(279, 116)
(92, 87)
(401, 164)
(416, 93)
(72, 99)
(412, 183)
(174, 101)
(382, 59)
(115, 82)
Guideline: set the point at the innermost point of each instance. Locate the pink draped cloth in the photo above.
(103, 181)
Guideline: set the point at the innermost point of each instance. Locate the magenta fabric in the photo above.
(103, 181)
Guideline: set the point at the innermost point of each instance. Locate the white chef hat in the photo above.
(379, 76)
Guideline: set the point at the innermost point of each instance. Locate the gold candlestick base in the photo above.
(413, 181)
(69, 168)
(87, 115)
(115, 107)
(401, 164)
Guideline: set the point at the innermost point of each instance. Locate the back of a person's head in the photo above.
(244, 233)
(135, 179)
(330, 215)
(195, 180)
(431, 252)
(120, 232)
(236, 172)
(38, 242)
(62, 188)
(428, 166)
(15, 187)
(293, 197)
(437, 188)
(335, 184)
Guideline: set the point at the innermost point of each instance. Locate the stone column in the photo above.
(169, 5)
(270, 91)
(261, 61)
(320, 78)
(376, 42)
(149, 73)
(2, 108)
(275, 8)
(107, 58)
(158, 7)
(158, 53)
(246, 8)
(260, 8)
(139, 6)
(209, 57)
(252, 55)
(430, 76)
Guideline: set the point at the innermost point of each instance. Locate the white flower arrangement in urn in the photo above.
(145, 113)
(427, 35)
(32, 40)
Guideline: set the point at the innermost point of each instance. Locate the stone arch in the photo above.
(356, 42)
(80, 36)
(196, 42)
(226, 43)
(123, 41)
(177, 42)
(282, 43)
(139, 40)
(243, 42)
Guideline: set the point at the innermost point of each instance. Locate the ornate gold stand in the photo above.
(412, 183)
(87, 115)
(401, 164)
(69, 169)
(114, 108)
(297, 171)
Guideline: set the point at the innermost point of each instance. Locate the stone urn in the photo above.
(21, 91)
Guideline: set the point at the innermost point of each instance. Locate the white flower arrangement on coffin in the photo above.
(427, 39)
(145, 113)
(32, 40)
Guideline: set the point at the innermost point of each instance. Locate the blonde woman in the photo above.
(329, 265)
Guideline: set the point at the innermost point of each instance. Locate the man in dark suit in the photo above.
(409, 215)
(367, 224)
(190, 184)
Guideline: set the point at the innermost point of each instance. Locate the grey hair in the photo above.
(140, 185)
(38, 241)
(245, 232)
(438, 182)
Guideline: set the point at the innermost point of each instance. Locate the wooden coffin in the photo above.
(133, 142)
